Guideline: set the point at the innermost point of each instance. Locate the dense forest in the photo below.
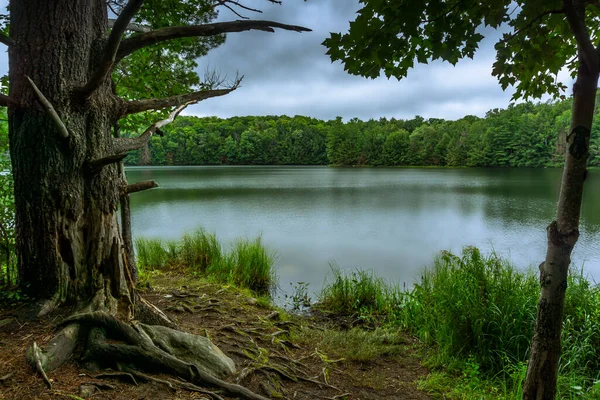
(523, 135)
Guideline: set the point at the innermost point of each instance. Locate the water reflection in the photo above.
(392, 220)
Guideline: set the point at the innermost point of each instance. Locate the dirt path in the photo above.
(278, 356)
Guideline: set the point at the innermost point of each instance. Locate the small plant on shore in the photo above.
(299, 300)
(360, 293)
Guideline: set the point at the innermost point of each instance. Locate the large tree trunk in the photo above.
(562, 235)
(68, 241)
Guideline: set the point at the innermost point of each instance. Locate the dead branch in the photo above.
(140, 186)
(112, 46)
(133, 27)
(95, 166)
(137, 42)
(62, 129)
(133, 107)
(237, 4)
(122, 145)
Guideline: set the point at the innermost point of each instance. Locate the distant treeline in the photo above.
(524, 135)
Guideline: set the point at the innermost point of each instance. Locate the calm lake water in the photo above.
(391, 220)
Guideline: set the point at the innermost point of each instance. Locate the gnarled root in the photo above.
(59, 350)
(155, 348)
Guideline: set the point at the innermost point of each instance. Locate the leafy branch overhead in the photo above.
(537, 39)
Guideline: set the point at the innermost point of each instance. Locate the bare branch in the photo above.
(6, 101)
(133, 107)
(112, 46)
(237, 4)
(62, 129)
(122, 145)
(137, 42)
(6, 40)
(139, 186)
(96, 165)
(233, 11)
(131, 27)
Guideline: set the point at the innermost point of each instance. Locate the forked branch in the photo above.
(133, 27)
(112, 46)
(137, 106)
(122, 145)
(62, 129)
(137, 42)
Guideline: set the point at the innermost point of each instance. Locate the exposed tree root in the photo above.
(36, 356)
(149, 347)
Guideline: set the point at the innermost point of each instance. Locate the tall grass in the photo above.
(474, 306)
(477, 313)
(247, 265)
(200, 250)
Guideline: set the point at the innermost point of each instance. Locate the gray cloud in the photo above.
(289, 73)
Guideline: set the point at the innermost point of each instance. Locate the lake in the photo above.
(390, 220)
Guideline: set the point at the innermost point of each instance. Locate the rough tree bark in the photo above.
(68, 185)
(68, 241)
(542, 371)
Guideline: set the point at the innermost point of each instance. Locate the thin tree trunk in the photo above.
(563, 233)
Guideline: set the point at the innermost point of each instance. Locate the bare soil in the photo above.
(257, 338)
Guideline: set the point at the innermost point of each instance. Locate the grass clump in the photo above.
(153, 254)
(474, 306)
(200, 250)
(478, 313)
(360, 293)
(247, 265)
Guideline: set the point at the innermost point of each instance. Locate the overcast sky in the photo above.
(289, 73)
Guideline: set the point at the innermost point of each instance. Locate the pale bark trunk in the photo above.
(562, 235)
